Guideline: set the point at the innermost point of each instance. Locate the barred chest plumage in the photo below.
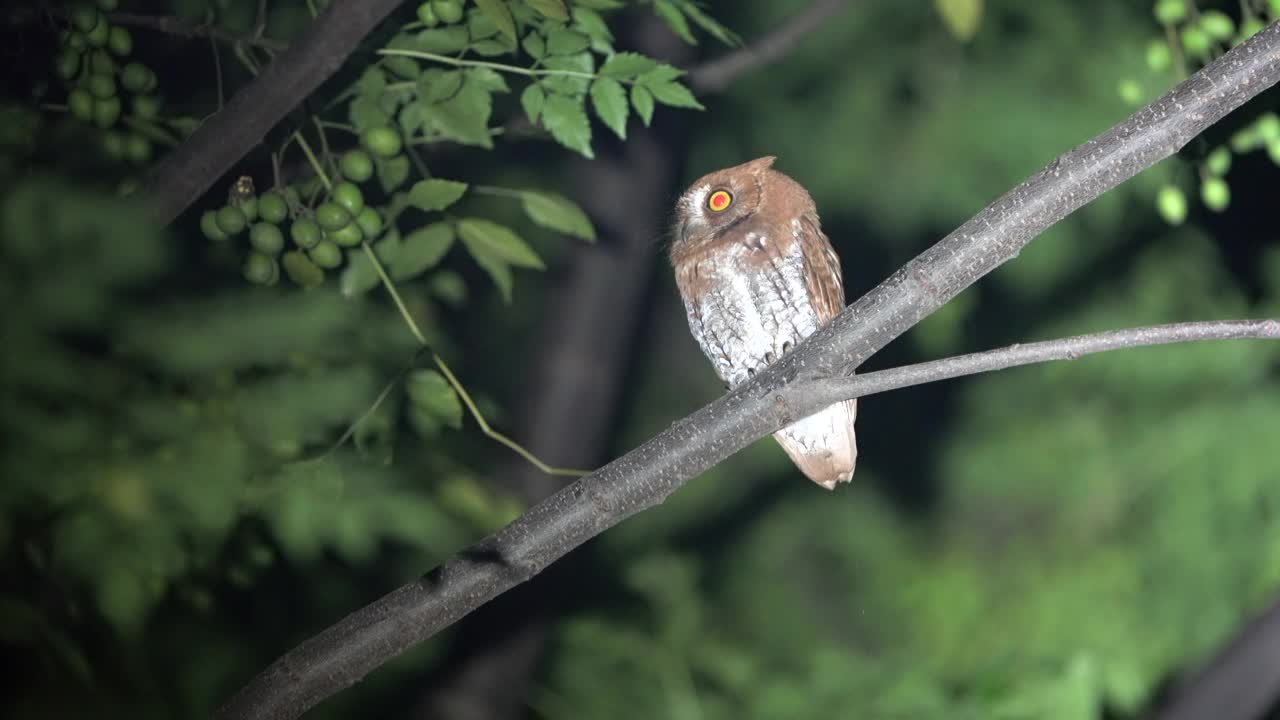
(758, 276)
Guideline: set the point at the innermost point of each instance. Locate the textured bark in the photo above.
(342, 654)
(186, 173)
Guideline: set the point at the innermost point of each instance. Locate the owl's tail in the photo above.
(823, 445)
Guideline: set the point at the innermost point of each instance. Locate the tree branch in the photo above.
(186, 173)
(716, 75)
(342, 654)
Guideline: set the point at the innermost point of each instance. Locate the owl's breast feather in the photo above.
(747, 305)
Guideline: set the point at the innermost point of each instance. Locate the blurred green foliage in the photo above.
(1048, 542)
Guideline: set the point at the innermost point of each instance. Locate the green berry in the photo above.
(113, 144)
(259, 269)
(1245, 139)
(427, 16)
(1130, 92)
(100, 33)
(1219, 161)
(266, 238)
(84, 17)
(231, 220)
(305, 233)
(348, 196)
(382, 141)
(119, 41)
(1268, 126)
(272, 207)
(108, 5)
(135, 77)
(1159, 56)
(1169, 12)
(248, 204)
(209, 226)
(138, 149)
(1195, 40)
(100, 62)
(77, 41)
(1172, 205)
(146, 106)
(1250, 27)
(102, 85)
(370, 222)
(68, 64)
(348, 236)
(80, 102)
(1215, 193)
(332, 216)
(326, 254)
(106, 111)
(357, 166)
(448, 11)
(1273, 151)
(1217, 24)
(302, 270)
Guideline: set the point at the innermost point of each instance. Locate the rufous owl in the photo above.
(757, 275)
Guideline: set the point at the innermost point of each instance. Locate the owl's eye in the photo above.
(719, 201)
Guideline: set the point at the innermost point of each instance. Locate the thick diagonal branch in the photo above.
(644, 477)
(186, 173)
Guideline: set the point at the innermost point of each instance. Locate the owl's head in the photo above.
(722, 200)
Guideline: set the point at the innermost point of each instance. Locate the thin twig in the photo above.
(177, 26)
(341, 655)
(716, 75)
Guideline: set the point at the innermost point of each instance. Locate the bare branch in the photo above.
(716, 75)
(789, 390)
(207, 155)
(1068, 348)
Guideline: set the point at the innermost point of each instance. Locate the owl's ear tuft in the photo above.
(760, 164)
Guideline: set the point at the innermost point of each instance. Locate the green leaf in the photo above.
(558, 213)
(627, 65)
(962, 17)
(364, 112)
(423, 249)
(359, 276)
(599, 4)
(532, 100)
(436, 85)
(674, 19)
(500, 14)
(672, 93)
(488, 79)
(594, 26)
(443, 40)
(562, 41)
(392, 172)
(535, 46)
(709, 24)
(435, 194)
(610, 102)
(581, 64)
(499, 241)
(642, 101)
(434, 396)
(464, 118)
(553, 9)
(565, 119)
(490, 48)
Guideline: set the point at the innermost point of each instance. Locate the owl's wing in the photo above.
(826, 285)
(824, 445)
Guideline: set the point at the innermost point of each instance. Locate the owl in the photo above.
(757, 276)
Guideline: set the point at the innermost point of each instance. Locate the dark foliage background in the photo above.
(1060, 541)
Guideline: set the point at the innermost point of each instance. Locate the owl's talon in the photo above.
(768, 358)
(786, 347)
(751, 372)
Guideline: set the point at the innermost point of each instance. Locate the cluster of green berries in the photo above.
(93, 60)
(341, 220)
(434, 12)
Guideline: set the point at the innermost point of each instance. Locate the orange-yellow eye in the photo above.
(719, 201)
